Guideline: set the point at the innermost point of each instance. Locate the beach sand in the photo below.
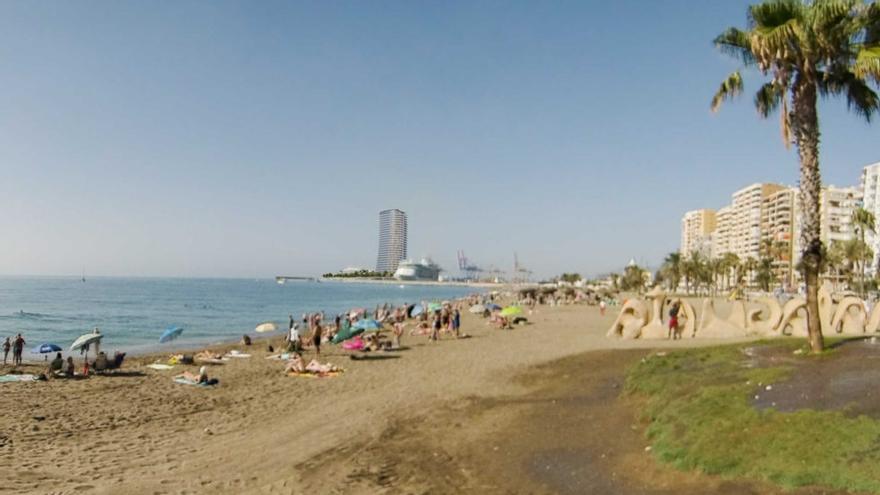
(422, 420)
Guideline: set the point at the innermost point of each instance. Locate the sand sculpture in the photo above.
(712, 326)
(645, 319)
(757, 326)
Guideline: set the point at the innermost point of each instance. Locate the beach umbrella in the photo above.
(511, 311)
(417, 311)
(346, 333)
(477, 309)
(170, 334)
(46, 349)
(85, 340)
(434, 307)
(368, 325)
(266, 327)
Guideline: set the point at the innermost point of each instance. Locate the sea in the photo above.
(133, 312)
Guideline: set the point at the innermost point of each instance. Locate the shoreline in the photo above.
(238, 437)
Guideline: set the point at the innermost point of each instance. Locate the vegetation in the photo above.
(698, 406)
(863, 222)
(570, 277)
(807, 49)
(633, 278)
(360, 274)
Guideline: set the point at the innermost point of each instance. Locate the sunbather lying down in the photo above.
(207, 355)
(296, 366)
(198, 379)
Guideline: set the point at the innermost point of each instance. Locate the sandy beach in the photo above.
(260, 431)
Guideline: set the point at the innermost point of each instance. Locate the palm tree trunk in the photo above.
(805, 127)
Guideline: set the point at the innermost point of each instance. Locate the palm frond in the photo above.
(735, 43)
(860, 98)
(775, 13)
(730, 88)
(867, 65)
(768, 98)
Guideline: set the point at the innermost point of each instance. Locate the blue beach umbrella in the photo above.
(46, 349)
(170, 334)
(368, 325)
(493, 307)
(417, 311)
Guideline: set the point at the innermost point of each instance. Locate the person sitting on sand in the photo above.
(295, 365)
(202, 377)
(245, 340)
(56, 365)
(69, 372)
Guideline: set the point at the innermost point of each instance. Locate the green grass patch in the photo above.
(700, 418)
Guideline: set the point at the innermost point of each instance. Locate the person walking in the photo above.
(456, 323)
(602, 307)
(6, 346)
(17, 349)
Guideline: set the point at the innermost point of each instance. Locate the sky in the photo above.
(251, 139)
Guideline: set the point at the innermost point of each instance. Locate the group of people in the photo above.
(16, 345)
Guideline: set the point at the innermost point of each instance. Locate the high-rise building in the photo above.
(745, 232)
(695, 229)
(721, 236)
(392, 240)
(870, 186)
(779, 232)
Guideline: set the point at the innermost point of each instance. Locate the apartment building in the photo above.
(696, 227)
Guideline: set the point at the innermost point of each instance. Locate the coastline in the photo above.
(356, 280)
(238, 437)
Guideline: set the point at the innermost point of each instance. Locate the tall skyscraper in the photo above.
(696, 226)
(392, 240)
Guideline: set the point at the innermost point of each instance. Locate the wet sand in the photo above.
(260, 431)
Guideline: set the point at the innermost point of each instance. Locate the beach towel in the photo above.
(160, 366)
(17, 378)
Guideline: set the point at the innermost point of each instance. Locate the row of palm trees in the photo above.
(843, 262)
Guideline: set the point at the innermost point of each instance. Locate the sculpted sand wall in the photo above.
(645, 318)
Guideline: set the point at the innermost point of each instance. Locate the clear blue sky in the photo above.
(253, 138)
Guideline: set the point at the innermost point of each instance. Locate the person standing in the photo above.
(435, 327)
(6, 346)
(97, 341)
(602, 307)
(456, 323)
(17, 349)
(673, 320)
(289, 322)
(293, 342)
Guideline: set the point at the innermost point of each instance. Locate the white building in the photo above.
(870, 189)
(696, 227)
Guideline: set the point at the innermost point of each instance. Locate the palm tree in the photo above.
(731, 265)
(807, 49)
(835, 259)
(672, 267)
(863, 221)
(693, 270)
(750, 265)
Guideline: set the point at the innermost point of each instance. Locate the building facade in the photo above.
(870, 189)
(392, 240)
(779, 233)
(748, 210)
(696, 227)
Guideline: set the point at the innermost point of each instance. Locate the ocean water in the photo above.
(133, 312)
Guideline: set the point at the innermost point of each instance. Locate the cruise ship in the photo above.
(423, 270)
